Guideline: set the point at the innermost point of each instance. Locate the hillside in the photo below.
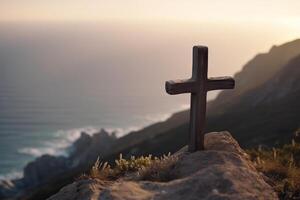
(255, 73)
(267, 114)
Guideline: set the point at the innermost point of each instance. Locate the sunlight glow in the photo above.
(154, 10)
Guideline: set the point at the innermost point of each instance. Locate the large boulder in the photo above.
(222, 171)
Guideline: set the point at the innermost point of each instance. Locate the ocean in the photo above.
(59, 79)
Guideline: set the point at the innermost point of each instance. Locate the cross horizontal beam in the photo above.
(190, 86)
(220, 83)
(181, 86)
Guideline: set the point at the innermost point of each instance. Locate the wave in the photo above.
(11, 176)
(63, 139)
(36, 152)
(58, 145)
(120, 132)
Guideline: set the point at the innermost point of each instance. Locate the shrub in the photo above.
(282, 167)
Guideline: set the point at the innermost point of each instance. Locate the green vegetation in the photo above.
(281, 166)
(144, 167)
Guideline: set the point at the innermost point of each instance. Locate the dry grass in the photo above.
(282, 166)
(144, 167)
(160, 169)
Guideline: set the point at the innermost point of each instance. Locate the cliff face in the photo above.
(223, 171)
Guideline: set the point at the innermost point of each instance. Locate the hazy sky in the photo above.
(277, 11)
(244, 27)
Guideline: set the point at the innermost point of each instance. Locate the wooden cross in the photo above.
(198, 86)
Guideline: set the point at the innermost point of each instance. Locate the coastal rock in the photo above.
(35, 173)
(7, 187)
(85, 149)
(222, 171)
(79, 146)
(89, 148)
(43, 168)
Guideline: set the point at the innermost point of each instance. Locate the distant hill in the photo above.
(267, 114)
(255, 73)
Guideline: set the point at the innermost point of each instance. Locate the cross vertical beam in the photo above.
(198, 85)
(198, 99)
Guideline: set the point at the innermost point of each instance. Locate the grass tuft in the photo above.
(144, 167)
(160, 169)
(281, 166)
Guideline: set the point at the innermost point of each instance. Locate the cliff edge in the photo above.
(222, 171)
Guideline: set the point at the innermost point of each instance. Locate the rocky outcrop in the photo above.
(7, 188)
(44, 168)
(35, 173)
(85, 149)
(222, 171)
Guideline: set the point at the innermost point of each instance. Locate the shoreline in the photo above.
(69, 137)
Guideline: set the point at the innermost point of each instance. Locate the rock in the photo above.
(81, 143)
(79, 146)
(43, 168)
(7, 187)
(83, 189)
(85, 149)
(35, 173)
(89, 148)
(296, 136)
(222, 171)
